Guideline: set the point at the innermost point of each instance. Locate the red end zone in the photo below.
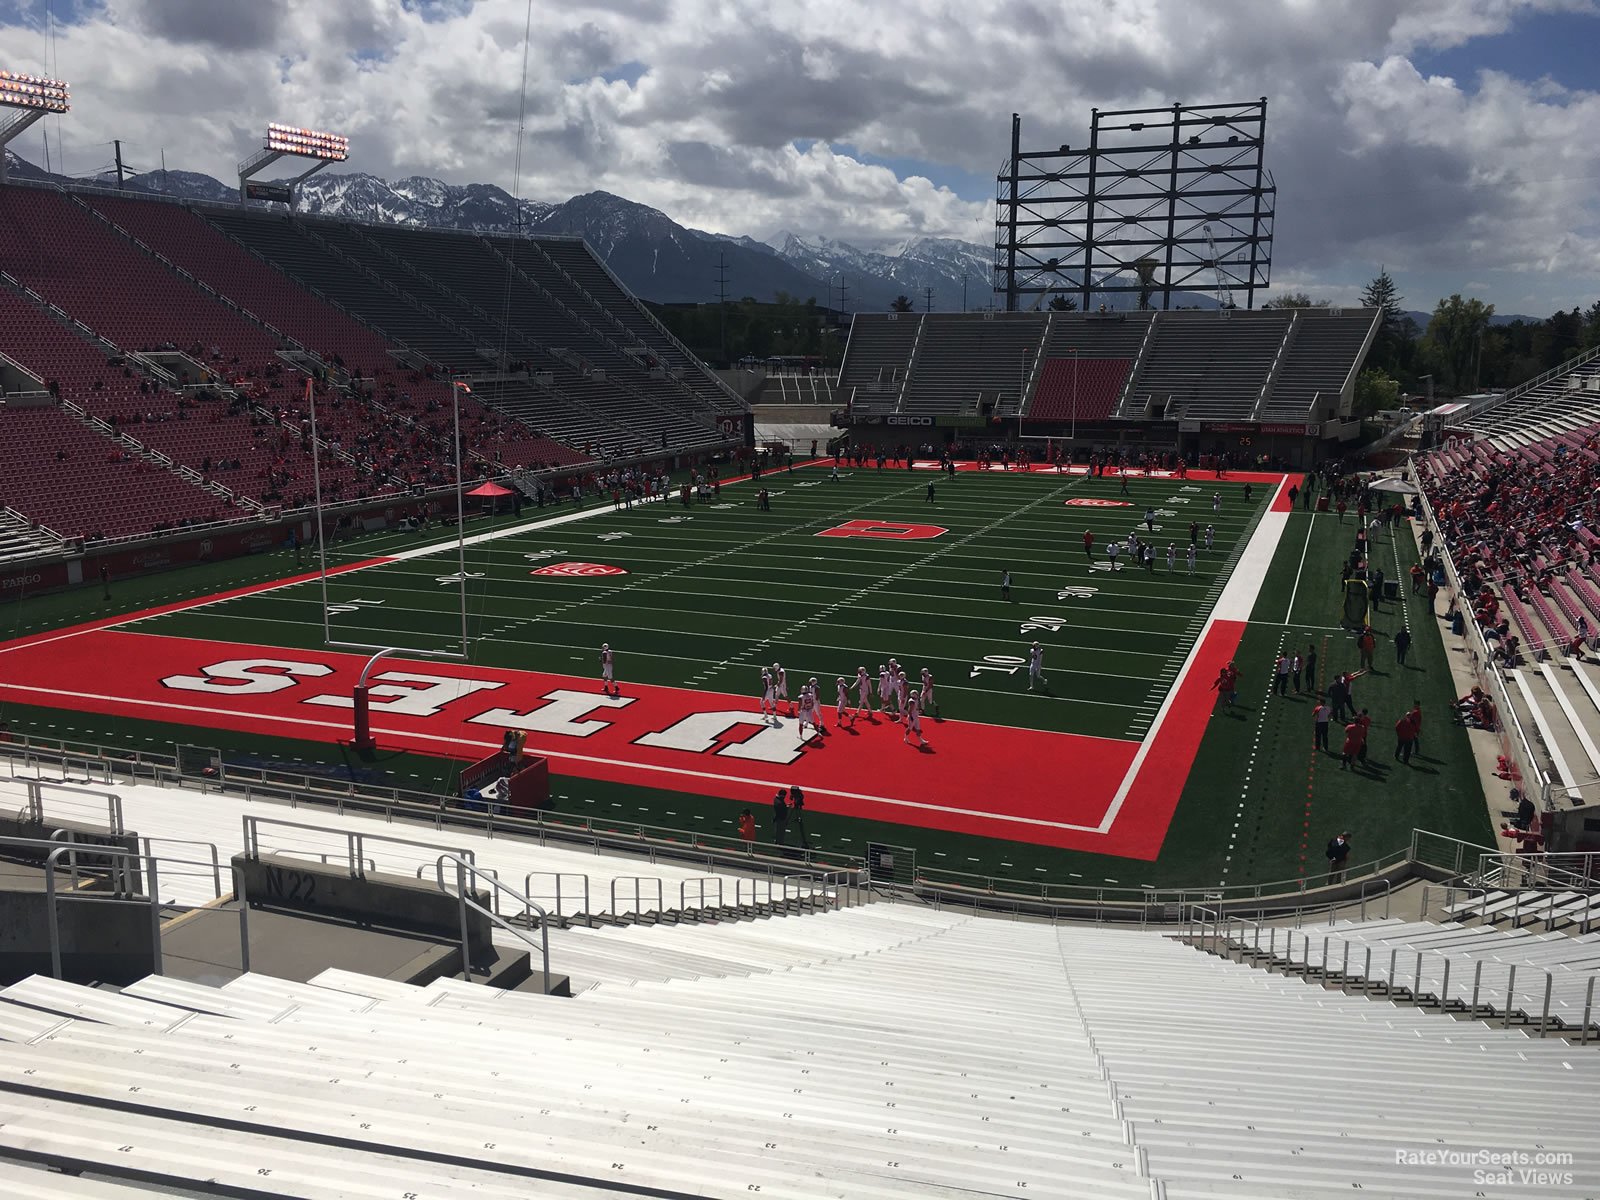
(1049, 789)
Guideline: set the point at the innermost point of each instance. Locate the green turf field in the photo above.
(714, 591)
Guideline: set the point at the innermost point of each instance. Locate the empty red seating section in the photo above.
(57, 471)
(71, 258)
(1096, 382)
(195, 246)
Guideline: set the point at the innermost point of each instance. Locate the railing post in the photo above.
(1588, 1008)
(1544, 1015)
(155, 913)
(241, 897)
(1477, 979)
(55, 929)
(1444, 987)
(461, 896)
(1511, 984)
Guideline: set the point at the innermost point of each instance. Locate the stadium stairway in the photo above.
(1541, 981)
(20, 539)
(981, 1058)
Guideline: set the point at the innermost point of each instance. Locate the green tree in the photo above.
(1059, 303)
(1375, 391)
(1453, 344)
(901, 304)
(1394, 346)
(1297, 300)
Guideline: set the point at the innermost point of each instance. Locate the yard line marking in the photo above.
(1300, 570)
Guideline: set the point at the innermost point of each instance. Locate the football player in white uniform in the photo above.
(863, 694)
(780, 680)
(913, 721)
(769, 699)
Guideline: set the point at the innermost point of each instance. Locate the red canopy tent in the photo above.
(490, 493)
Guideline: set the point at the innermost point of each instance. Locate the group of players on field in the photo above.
(895, 698)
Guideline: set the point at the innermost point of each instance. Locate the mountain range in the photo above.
(657, 258)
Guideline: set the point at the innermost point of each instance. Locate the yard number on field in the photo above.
(1006, 664)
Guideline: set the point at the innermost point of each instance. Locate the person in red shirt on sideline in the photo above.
(1227, 684)
(1355, 741)
(1088, 543)
(747, 827)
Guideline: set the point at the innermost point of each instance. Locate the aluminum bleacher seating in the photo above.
(966, 364)
(1561, 401)
(573, 257)
(1022, 1059)
(878, 357)
(1320, 363)
(1209, 365)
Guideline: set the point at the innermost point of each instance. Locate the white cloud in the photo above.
(1375, 161)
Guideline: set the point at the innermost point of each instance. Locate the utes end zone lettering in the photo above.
(1050, 789)
(577, 569)
(1087, 502)
(894, 531)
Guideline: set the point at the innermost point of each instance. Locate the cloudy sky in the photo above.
(1450, 140)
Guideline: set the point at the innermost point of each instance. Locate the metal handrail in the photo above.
(355, 843)
(153, 898)
(466, 870)
(35, 793)
(700, 881)
(216, 861)
(638, 894)
(714, 850)
(584, 912)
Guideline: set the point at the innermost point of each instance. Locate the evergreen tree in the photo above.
(1393, 347)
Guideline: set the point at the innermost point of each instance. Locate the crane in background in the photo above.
(1224, 292)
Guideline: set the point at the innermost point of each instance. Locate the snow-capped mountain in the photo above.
(957, 272)
(655, 256)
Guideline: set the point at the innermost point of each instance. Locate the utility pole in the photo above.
(927, 299)
(963, 291)
(118, 147)
(722, 301)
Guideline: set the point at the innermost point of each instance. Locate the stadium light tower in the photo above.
(24, 99)
(289, 141)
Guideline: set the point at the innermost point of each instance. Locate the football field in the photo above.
(841, 573)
